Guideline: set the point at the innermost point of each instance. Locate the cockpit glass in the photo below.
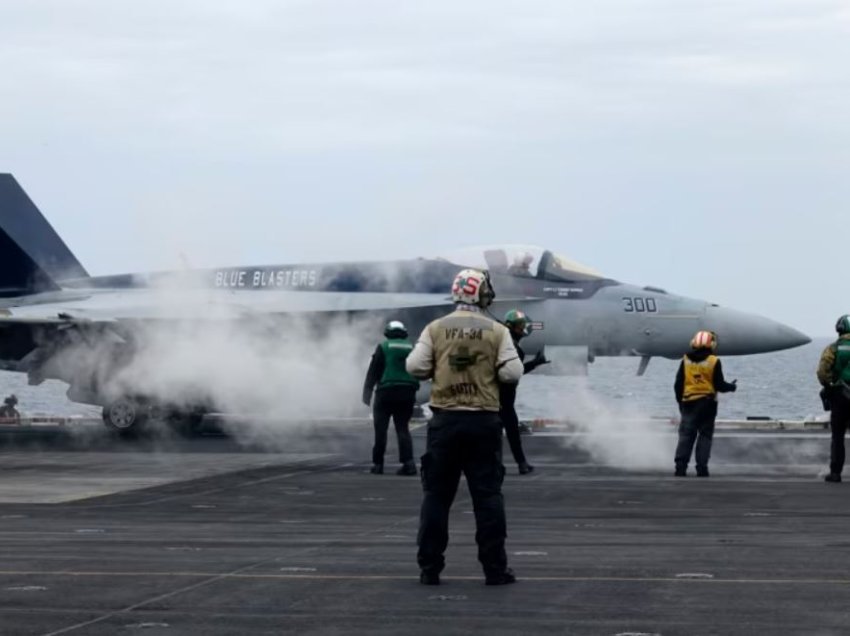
(522, 260)
(559, 268)
(518, 260)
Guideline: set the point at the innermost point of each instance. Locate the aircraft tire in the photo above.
(125, 416)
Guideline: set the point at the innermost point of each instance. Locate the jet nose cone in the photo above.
(740, 333)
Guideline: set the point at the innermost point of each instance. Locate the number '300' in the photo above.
(639, 304)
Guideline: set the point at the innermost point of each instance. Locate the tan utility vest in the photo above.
(699, 379)
(466, 348)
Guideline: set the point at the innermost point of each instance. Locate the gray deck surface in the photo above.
(208, 536)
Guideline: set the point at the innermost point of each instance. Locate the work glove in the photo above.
(825, 398)
(734, 385)
(539, 359)
(367, 399)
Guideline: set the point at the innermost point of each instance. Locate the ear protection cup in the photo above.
(487, 293)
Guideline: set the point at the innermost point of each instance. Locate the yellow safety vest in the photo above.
(466, 348)
(699, 379)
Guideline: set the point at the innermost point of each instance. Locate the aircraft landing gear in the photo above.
(129, 416)
(125, 416)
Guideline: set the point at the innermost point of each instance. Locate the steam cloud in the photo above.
(198, 345)
(612, 436)
(622, 436)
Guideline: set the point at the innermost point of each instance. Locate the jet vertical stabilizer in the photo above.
(32, 255)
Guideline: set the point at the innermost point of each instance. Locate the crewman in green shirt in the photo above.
(834, 375)
(395, 397)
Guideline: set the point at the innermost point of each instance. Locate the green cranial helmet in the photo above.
(842, 325)
(519, 320)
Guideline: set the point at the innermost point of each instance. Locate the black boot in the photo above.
(833, 477)
(408, 468)
(377, 469)
(429, 578)
(502, 578)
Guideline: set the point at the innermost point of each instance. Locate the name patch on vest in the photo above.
(461, 333)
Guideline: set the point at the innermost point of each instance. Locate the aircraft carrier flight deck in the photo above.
(213, 536)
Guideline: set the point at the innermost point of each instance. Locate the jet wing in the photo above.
(140, 305)
(135, 305)
(191, 305)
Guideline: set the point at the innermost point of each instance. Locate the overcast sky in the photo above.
(699, 146)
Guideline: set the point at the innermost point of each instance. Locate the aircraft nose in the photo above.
(740, 333)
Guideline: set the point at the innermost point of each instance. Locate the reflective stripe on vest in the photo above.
(699, 379)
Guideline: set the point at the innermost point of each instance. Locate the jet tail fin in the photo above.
(33, 258)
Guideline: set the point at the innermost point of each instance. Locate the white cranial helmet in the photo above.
(472, 287)
(395, 329)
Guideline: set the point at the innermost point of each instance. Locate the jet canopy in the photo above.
(528, 261)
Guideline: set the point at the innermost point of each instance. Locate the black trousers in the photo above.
(398, 405)
(697, 426)
(839, 418)
(468, 443)
(510, 421)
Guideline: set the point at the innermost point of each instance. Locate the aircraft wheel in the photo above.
(124, 416)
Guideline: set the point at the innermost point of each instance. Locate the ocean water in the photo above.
(780, 385)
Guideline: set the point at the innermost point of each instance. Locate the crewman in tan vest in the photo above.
(466, 354)
(699, 380)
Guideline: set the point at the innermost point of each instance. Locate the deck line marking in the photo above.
(242, 574)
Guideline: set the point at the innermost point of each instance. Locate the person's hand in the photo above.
(734, 385)
(540, 358)
(367, 400)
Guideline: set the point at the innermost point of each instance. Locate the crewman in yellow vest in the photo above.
(699, 380)
(466, 354)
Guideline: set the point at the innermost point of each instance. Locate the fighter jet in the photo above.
(49, 305)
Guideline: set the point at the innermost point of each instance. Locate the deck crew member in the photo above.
(394, 398)
(519, 325)
(466, 354)
(8, 410)
(698, 381)
(834, 375)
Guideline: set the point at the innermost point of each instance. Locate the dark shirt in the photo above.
(9, 412)
(720, 383)
(529, 366)
(507, 392)
(374, 374)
